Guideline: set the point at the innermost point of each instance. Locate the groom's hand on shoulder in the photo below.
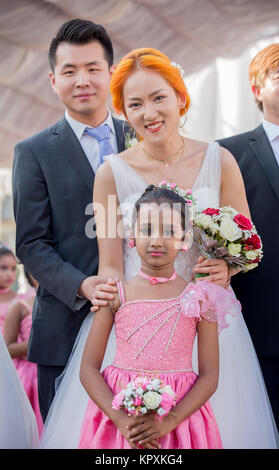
(95, 288)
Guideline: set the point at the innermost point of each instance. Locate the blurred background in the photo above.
(212, 40)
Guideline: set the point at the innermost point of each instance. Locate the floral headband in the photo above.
(186, 194)
(177, 66)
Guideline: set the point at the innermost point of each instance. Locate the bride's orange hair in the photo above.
(150, 59)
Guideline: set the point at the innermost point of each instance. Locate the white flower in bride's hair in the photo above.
(177, 66)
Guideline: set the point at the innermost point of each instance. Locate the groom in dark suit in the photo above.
(53, 178)
(257, 154)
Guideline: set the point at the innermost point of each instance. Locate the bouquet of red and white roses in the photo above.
(226, 234)
(145, 395)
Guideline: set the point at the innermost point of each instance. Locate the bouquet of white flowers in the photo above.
(226, 234)
(145, 395)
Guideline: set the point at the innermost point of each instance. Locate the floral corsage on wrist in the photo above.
(145, 396)
(226, 234)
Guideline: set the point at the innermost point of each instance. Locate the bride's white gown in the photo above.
(18, 424)
(240, 404)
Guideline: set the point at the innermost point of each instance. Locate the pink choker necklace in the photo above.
(4, 291)
(154, 280)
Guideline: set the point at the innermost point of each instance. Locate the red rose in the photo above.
(243, 222)
(211, 212)
(255, 241)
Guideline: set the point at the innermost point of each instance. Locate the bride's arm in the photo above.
(109, 231)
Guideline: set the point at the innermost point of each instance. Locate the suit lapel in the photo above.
(264, 153)
(120, 137)
(73, 152)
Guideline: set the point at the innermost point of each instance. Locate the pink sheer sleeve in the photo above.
(210, 301)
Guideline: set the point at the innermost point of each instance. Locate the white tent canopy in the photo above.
(193, 33)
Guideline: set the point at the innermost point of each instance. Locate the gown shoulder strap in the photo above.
(210, 172)
(127, 180)
(121, 292)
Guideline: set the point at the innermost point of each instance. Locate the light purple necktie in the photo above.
(102, 134)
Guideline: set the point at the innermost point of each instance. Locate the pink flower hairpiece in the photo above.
(186, 194)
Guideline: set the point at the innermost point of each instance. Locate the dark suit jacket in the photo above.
(258, 290)
(52, 186)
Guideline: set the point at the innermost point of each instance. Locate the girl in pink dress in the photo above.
(17, 329)
(156, 316)
(8, 270)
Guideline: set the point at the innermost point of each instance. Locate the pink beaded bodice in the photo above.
(158, 335)
(154, 335)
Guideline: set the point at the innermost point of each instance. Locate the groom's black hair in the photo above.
(80, 32)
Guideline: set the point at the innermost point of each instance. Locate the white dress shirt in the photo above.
(272, 132)
(89, 144)
(90, 147)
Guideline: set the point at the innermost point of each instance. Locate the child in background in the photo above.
(16, 334)
(8, 271)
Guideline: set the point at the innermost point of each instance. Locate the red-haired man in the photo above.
(257, 154)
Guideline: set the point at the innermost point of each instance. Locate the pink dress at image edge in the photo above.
(5, 306)
(158, 336)
(26, 370)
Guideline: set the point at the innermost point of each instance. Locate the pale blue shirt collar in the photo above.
(79, 127)
(271, 129)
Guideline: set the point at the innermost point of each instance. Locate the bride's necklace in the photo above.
(167, 160)
(154, 280)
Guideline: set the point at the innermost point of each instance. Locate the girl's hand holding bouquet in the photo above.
(146, 401)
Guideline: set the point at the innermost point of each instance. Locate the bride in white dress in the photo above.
(153, 106)
(18, 428)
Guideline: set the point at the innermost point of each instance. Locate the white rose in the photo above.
(250, 266)
(168, 389)
(252, 254)
(230, 230)
(234, 249)
(203, 220)
(214, 228)
(152, 400)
